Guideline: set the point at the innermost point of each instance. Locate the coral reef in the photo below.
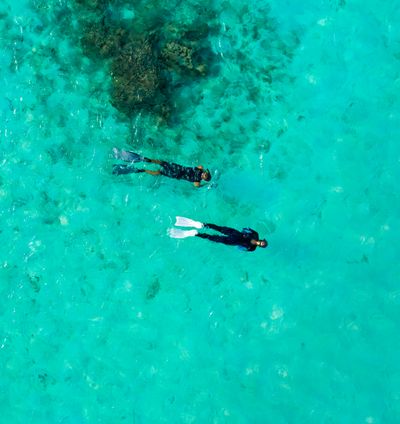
(177, 56)
(136, 78)
(100, 40)
(147, 65)
(93, 4)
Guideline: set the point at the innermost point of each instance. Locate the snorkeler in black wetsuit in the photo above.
(171, 170)
(247, 239)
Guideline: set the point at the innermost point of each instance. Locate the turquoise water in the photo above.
(105, 319)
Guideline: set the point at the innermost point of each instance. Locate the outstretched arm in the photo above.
(197, 183)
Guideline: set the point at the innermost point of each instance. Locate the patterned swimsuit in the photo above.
(179, 172)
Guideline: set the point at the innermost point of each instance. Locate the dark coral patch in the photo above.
(136, 78)
(149, 66)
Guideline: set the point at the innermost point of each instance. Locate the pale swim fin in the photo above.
(125, 169)
(179, 234)
(187, 222)
(127, 155)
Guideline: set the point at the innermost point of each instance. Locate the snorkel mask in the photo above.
(208, 174)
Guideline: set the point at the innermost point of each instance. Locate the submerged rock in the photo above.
(147, 68)
(136, 78)
(100, 40)
(153, 289)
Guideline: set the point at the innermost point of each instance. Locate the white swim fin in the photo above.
(179, 234)
(127, 155)
(187, 222)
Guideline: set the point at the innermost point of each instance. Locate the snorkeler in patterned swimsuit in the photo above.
(171, 170)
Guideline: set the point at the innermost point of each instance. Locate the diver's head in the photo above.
(206, 175)
(262, 243)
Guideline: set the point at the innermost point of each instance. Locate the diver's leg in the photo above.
(158, 162)
(224, 230)
(125, 169)
(216, 239)
(151, 172)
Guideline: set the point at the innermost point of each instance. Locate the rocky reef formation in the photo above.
(149, 60)
(136, 78)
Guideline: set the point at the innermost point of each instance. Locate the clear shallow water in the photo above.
(106, 319)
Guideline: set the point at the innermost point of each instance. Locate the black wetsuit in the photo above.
(179, 172)
(232, 237)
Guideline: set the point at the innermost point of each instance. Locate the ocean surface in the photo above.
(106, 319)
